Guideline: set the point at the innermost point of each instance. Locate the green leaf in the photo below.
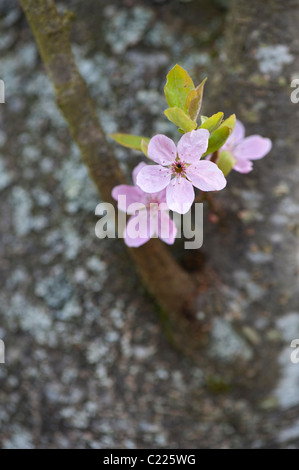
(194, 100)
(144, 146)
(180, 119)
(219, 136)
(230, 122)
(178, 86)
(217, 139)
(225, 162)
(203, 118)
(130, 141)
(212, 123)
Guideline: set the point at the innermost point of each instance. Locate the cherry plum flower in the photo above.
(179, 168)
(152, 217)
(245, 149)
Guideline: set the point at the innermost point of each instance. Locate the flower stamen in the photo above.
(178, 168)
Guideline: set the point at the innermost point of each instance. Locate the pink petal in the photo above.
(153, 178)
(126, 195)
(179, 195)
(193, 145)
(156, 198)
(167, 228)
(162, 150)
(238, 132)
(137, 230)
(161, 196)
(206, 176)
(253, 148)
(243, 166)
(136, 171)
(236, 136)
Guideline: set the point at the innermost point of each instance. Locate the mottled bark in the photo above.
(172, 287)
(260, 76)
(255, 248)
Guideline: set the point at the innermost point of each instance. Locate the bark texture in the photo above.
(261, 57)
(255, 251)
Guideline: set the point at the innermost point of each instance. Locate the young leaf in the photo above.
(178, 86)
(194, 101)
(225, 162)
(203, 118)
(217, 139)
(180, 119)
(212, 123)
(230, 122)
(130, 141)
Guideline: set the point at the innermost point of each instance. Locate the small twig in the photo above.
(200, 198)
(214, 157)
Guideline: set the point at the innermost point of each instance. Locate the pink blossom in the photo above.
(152, 218)
(245, 149)
(179, 169)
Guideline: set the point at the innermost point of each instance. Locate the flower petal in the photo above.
(136, 171)
(253, 148)
(206, 176)
(243, 166)
(179, 195)
(236, 136)
(193, 145)
(238, 132)
(137, 230)
(153, 178)
(161, 196)
(162, 150)
(167, 229)
(126, 195)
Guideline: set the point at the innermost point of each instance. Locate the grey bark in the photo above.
(255, 250)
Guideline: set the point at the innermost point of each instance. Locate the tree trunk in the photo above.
(258, 91)
(255, 250)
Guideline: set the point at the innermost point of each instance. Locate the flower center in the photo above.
(152, 200)
(178, 167)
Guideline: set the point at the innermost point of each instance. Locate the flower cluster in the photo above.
(202, 159)
(169, 184)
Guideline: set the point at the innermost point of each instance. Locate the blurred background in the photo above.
(87, 364)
